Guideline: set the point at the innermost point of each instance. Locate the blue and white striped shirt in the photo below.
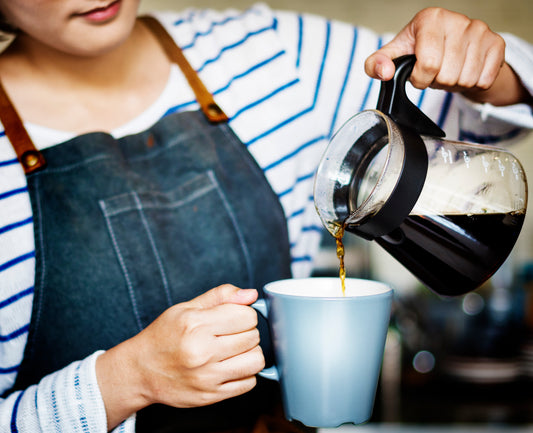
(287, 82)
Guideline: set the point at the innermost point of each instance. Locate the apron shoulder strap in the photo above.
(29, 157)
(32, 160)
(207, 103)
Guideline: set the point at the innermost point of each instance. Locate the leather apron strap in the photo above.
(32, 159)
(208, 105)
(28, 155)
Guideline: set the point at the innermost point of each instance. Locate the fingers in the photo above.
(380, 66)
(242, 366)
(228, 346)
(231, 319)
(223, 294)
(237, 387)
(227, 330)
(461, 55)
(201, 351)
(494, 61)
(224, 379)
(219, 320)
(241, 372)
(453, 52)
(205, 336)
(238, 374)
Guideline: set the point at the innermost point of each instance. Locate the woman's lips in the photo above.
(102, 14)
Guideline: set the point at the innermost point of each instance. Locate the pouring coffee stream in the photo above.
(448, 211)
(340, 254)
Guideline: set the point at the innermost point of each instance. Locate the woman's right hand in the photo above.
(194, 354)
(454, 53)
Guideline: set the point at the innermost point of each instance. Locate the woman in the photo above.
(121, 203)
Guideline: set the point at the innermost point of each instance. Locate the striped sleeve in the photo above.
(487, 124)
(17, 264)
(288, 81)
(328, 58)
(66, 401)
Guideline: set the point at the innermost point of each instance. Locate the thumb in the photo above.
(380, 64)
(224, 294)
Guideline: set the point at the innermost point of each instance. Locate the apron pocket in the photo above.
(175, 245)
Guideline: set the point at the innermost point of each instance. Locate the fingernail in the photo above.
(244, 292)
(379, 71)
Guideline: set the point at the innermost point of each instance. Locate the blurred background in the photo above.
(382, 15)
(462, 364)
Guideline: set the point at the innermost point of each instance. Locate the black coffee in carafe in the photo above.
(450, 212)
(453, 254)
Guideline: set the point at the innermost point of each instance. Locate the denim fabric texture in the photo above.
(124, 228)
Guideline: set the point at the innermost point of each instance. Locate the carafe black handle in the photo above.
(393, 100)
(394, 103)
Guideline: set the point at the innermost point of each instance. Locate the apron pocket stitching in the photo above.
(130, 219)
(123, 266)
(236, 227)
(164, 278)
(121, 203)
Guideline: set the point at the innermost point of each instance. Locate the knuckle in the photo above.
(243, 386)
(253, 382)
(252, 317)
(261, 364)
(190, 321)
(251, 363)
(499, 42)
(422, 79)
(430, 12)
(245, 315)
(436, 14)
(498, 46)
(205, 398)
(482, 85)
(426, 69)
(255, 337)
(193, 357)
(446, 80)
(467, 82)
(198, 381)
(259, 359)
(479, 27)
(429, 65)
(419, 82)
(248, 384)
(223, 291)
(192, 343)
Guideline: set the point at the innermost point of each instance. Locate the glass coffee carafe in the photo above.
(449, 211)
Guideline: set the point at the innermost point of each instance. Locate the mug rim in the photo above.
(385, 288)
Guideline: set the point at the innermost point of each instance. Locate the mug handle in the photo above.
(270, 372)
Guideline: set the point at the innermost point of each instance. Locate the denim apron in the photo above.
(125, 228)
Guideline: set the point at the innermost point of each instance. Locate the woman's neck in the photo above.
(41, 60)
(83, 93)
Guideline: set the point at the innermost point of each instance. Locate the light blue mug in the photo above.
(328, 347)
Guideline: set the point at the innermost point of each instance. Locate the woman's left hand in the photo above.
(454, 53)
